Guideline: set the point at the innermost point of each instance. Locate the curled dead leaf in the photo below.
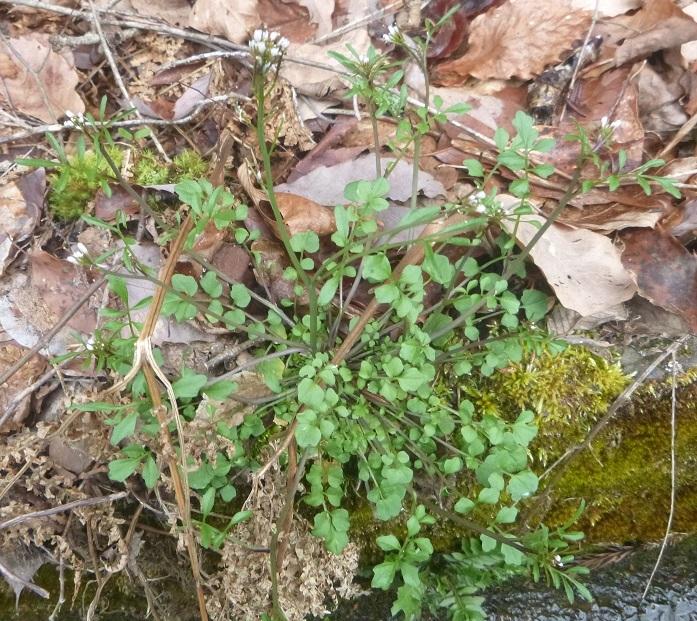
(518, 39)
(302, 214)
(36, 80)
(665, 271)
(672, 30)
(582, 267)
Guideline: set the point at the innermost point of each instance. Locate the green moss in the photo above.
(625, 476)
(149, 169)
(188, 165)
(569, 391)
(76, 180)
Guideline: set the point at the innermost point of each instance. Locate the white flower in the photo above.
(89, 344)
(477, 201)
(605, 123)
(393, 35)
(79, 253)
(557, 561)
(73, 119)
(267, 48)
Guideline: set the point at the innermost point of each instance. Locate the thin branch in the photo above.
(68, 506)
(119, 80)
(56, 127)
(673, 471)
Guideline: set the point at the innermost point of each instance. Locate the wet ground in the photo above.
(617, 590)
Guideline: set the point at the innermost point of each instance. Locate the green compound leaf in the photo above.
(376, 268)
(185, 284)
(121, 469)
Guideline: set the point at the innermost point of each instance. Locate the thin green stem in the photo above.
(283, 231)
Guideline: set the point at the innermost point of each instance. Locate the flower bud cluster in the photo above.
(267, 48)
(393, 35)
(74, 120)
(477, 201)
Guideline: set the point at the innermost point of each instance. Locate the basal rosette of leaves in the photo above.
(387, 419)
(391, 418)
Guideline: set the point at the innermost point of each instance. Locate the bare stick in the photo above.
(68, 506)
(577, 65)
(119, 80)
(56, 127)
(673, 469)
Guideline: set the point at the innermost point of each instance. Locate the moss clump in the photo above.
(75, 182)
(625, 475)
(149, 169)
(568, 390)
(188, 165)
(78, 177)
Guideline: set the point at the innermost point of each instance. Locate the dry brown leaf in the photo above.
(320, 14)
(325, 184)
(233, 261)
(611, 95)
(107, 207)
(659, 97)
(37, 81)
(21, 203)
(271, 264)
(607, 8)
(10, 353)
(302, 214)
(289, 18)
(670, 32)
(232, 20)
(315, 81)
(665, 272)
(682, 223)
(58, 284)
(582, 267)
(174, 12)
(518, 39)
(611, 215)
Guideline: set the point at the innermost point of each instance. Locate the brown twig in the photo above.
(119, 80)
(57, 127)
(68, 506)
